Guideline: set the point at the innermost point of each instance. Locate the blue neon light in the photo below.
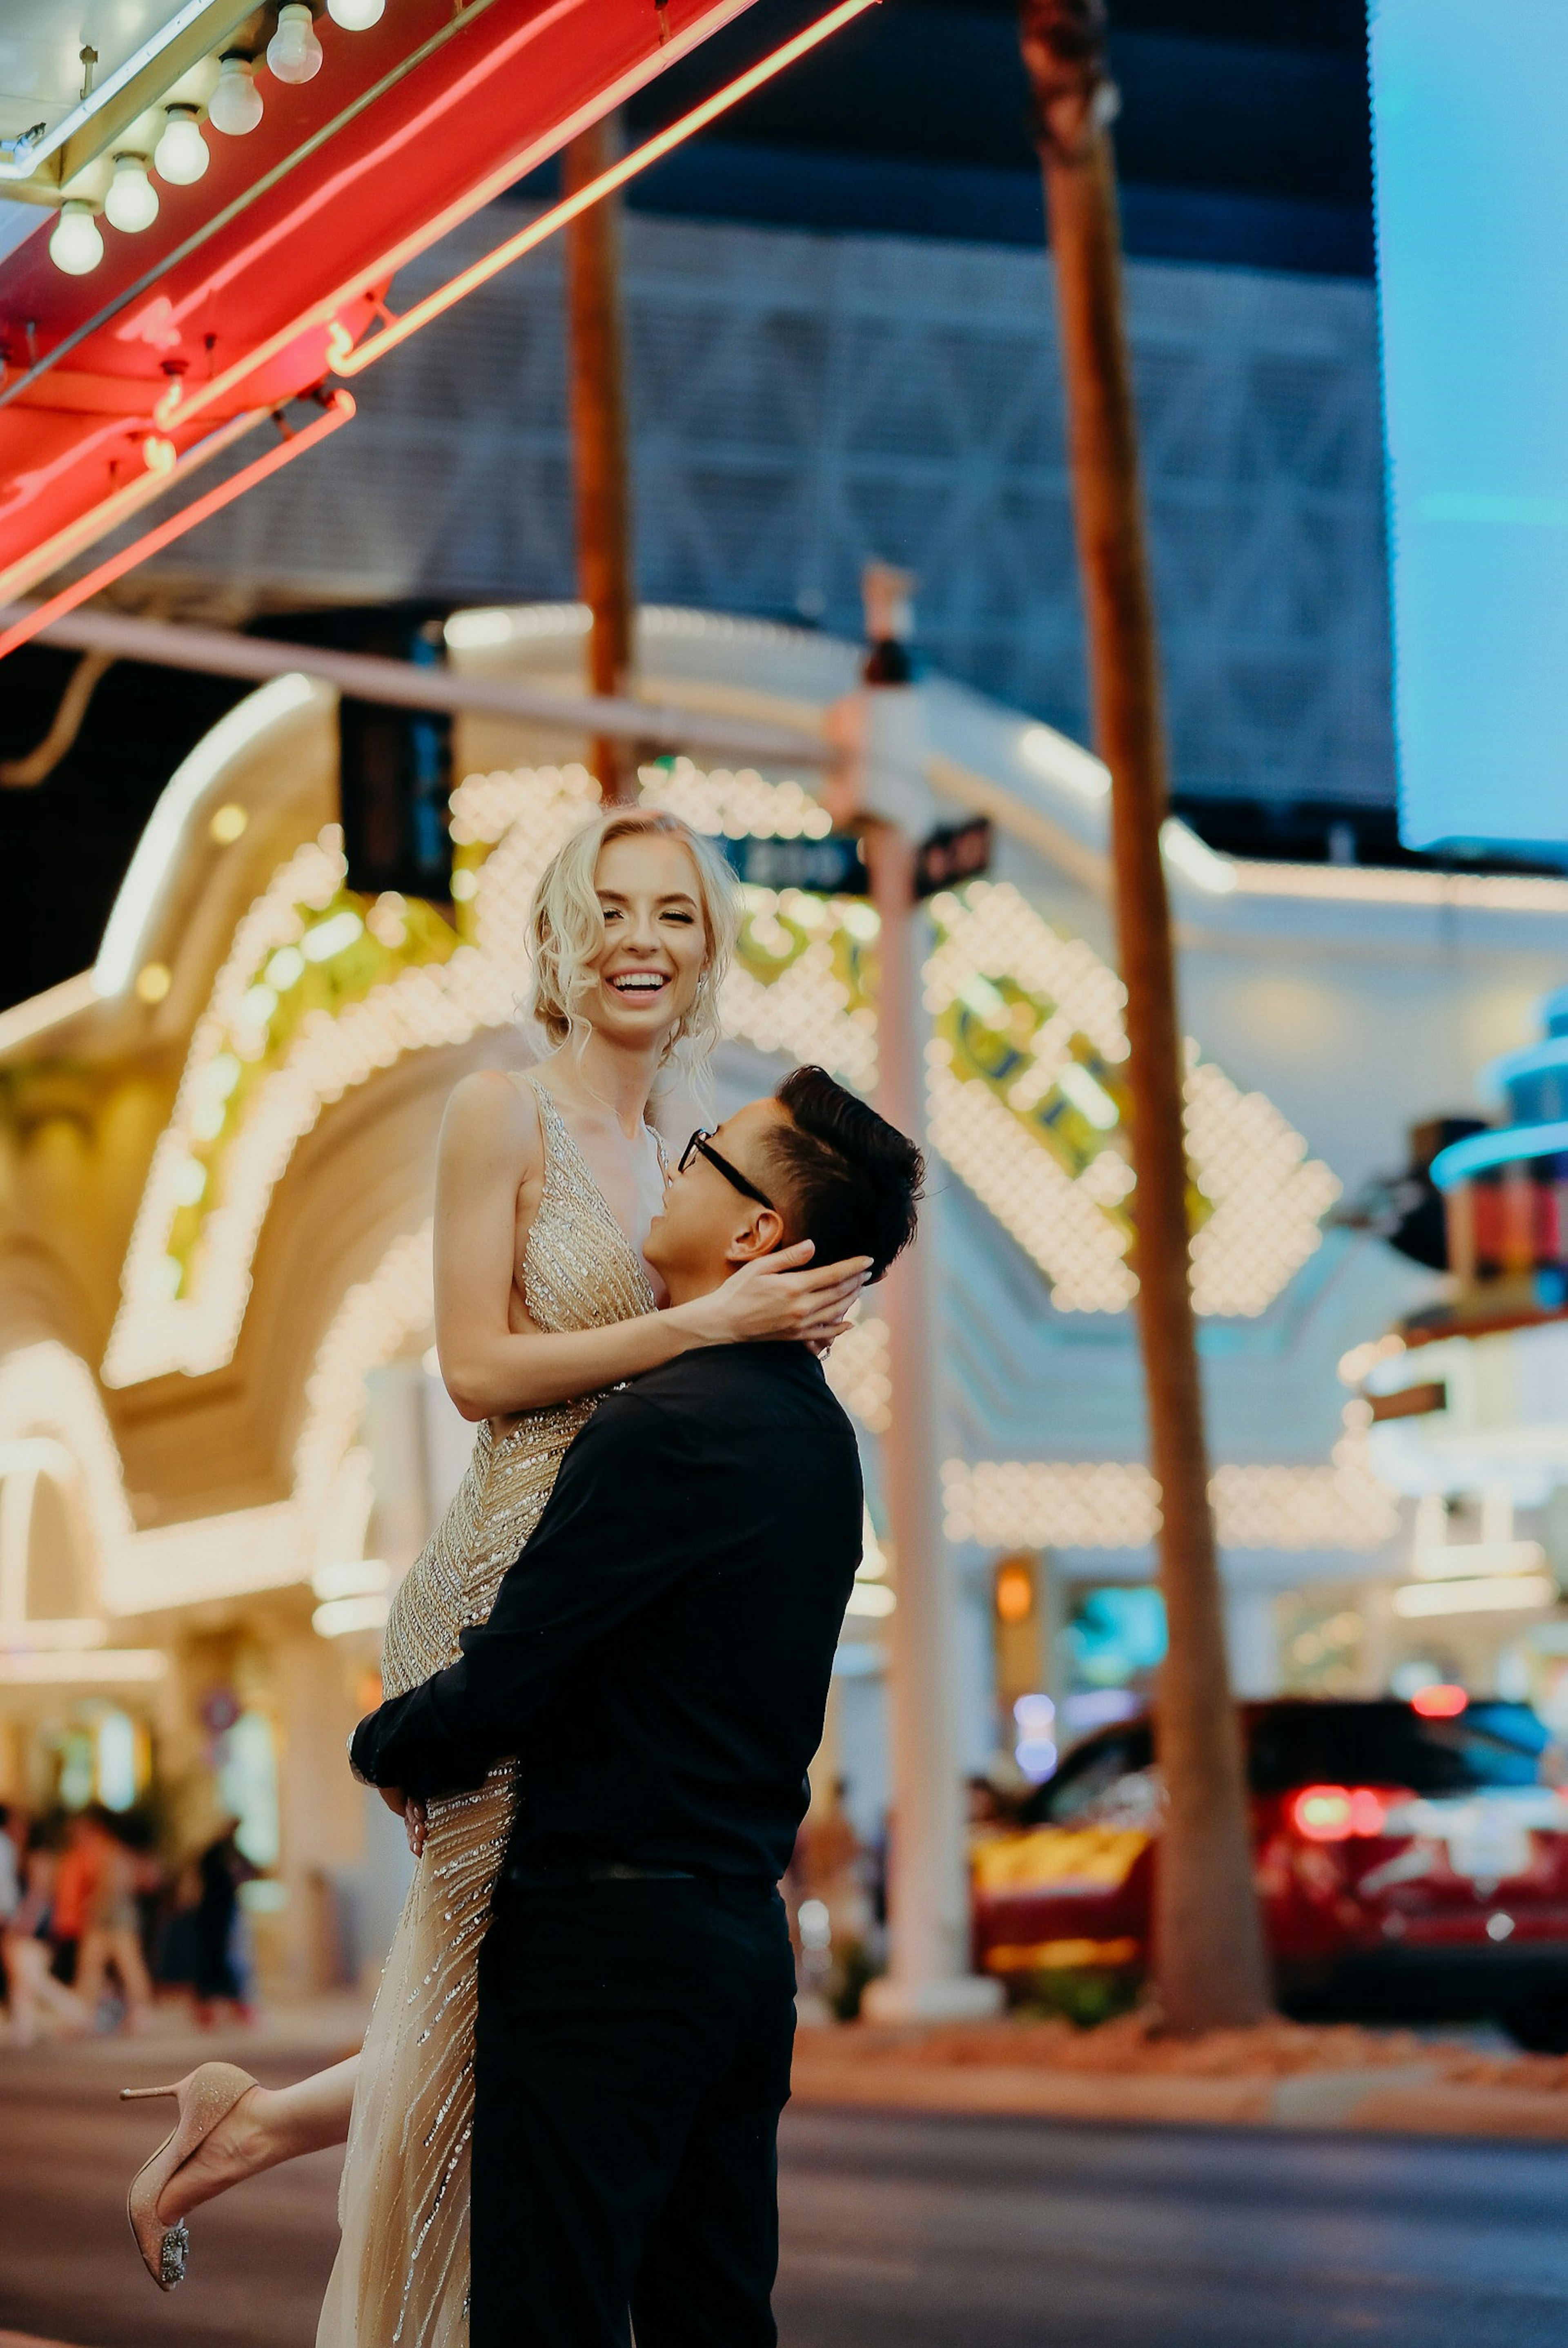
(1471, 159)
(1461, 1160)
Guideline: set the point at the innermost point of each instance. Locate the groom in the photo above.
(659, 1662)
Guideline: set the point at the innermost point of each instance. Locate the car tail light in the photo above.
(1440, 1701)
(1334, 1813)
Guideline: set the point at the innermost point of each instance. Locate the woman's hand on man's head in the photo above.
(779, 1295)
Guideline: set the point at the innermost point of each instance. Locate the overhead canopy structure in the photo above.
(224, 195)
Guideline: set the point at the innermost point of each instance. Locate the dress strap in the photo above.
(552, 1125)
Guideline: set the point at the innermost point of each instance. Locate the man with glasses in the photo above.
(659, 1663)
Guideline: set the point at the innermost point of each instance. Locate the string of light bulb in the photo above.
(181, 156)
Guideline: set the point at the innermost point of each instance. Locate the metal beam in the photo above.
(218, 652)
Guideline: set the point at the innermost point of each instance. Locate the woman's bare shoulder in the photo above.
(490, 1114)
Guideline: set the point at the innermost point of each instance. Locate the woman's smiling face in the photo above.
(655, 941)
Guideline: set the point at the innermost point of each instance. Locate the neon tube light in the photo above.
(429, 120)
(1481, 1151)
(179, 401)
(176, 405)
(478, 273)
(119, 505)
(340, 411)
(129, 296)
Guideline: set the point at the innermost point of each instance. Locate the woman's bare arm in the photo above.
(489, 1175)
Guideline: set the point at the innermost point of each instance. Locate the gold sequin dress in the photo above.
(401, 2280)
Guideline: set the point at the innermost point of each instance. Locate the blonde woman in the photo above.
(545, 1185)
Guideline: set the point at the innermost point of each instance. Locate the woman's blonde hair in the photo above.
(566, 931)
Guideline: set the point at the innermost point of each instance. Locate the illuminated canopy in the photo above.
(226, 227)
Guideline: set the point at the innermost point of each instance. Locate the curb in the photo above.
(1407, 2099)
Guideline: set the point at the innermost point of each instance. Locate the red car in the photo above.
(1411, 1860)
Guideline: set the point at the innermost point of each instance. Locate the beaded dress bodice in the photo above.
(579, 1272)
(401, 2279)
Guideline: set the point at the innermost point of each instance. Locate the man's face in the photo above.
(709, 1228)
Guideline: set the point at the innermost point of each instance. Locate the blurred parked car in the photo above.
(1411, 1859)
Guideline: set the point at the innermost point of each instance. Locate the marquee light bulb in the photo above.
(131, 204)
(181, 155)
(293, 52)
(356, 15)
(236, 104)
(77, 245)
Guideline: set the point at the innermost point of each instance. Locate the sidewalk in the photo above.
(1281, 2077)
(309, 2034)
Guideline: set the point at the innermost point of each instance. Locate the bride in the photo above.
(545, 1185)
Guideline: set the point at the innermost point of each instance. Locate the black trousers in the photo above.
(633, 2057)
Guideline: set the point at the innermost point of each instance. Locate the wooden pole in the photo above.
(598, 445)
(1208, 1948)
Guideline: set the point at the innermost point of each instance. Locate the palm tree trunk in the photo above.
(1207, 1944)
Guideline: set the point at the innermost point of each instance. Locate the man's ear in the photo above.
(759, 1236)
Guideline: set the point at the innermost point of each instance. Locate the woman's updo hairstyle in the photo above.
(566, 933)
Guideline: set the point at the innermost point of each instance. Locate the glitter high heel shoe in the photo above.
(206, 2097)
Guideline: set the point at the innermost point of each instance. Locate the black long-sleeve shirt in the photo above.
(658, 1656)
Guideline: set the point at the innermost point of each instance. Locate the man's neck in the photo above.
(686, 1288)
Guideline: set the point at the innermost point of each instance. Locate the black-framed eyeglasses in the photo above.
(702, 1145)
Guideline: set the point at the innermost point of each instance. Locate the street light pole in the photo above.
(598, 445)
(928, 1977)
(1208, 1947)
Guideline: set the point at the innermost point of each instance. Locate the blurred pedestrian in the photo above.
(111, 1937)
(222, 1869)
(34, 1992)
(829, 1892)
(76, 1884)
(13, 1842)
(13, 1837)
(830, 1864)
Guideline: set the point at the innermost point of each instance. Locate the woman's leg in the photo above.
(266, 2125)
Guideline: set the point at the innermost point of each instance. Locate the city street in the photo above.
(971, 594)
(924, 2232)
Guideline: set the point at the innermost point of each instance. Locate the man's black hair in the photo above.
(853, 1179)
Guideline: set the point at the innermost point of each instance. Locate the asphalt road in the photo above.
(926, 2233)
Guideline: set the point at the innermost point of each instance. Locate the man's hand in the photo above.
(415, 1820)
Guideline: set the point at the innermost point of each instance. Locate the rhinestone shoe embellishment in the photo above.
(172, 2256)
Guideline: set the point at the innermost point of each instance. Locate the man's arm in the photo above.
(616, 1529)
